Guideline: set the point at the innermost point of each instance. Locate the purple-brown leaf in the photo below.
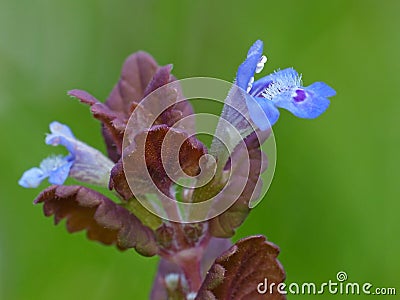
(137, 72)
(160, 78)
(103, 220)
(237, 273)
(118, 181)
(161, 148)
(224, 225)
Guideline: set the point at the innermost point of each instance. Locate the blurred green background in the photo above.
(334, 202)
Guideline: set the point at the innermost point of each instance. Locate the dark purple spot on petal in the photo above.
(300, 96)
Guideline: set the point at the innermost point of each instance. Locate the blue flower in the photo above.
(281, 89)
(83, 162)
(56, 168)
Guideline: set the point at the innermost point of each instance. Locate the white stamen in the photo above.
(250, 84)
(260, 65)
(282, 84)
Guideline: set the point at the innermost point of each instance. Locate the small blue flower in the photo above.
(56, 168)
(282, 89)
(83, 162)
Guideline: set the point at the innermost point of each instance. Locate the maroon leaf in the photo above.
(140, 76)
(224, 225)
(104, 221)
(239, 271)
(118, 181)
(160, 78)
(148, 146)
(169, 96)
(137, 72)
(112, 147)
(215, 248)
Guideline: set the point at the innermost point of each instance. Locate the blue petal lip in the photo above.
(31, 178)
(59, 175)
(248, 67)
(311, 107)
(57, 169)
(322, 89)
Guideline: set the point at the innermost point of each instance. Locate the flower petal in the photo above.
(55, 167)
(58, 128)
(61, 134)
(248, 67)
(262, 112)
(59, 175)
(32, 178)
(312, 106)
(88, 164)
(322, 89)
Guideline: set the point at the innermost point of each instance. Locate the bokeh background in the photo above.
(334, 202)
